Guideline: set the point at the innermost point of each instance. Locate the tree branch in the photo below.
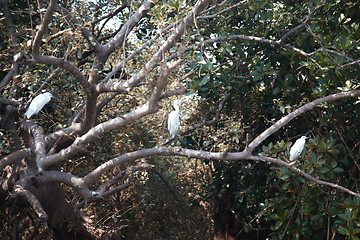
(170, 42)
(39, 144)
(43, 28)
(164, 151)
(94, 133)
(286, 119)
(300, 26)
(34, 202)
(128, 26)
(302, 173)
(14, 157)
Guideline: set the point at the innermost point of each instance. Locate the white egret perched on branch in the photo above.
(297, 148)
(38, 103)
(174, 119)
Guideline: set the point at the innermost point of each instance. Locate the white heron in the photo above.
(174, 119)
(38, 103)
(297, 148)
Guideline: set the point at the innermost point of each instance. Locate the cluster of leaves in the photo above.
(267, 82)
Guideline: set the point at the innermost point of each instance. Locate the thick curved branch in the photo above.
(39, 144)
(128, 26)
(37, 58)
(96, 132)
(286, 119)
(170, 93)
(67, 66)
(160, 151)
(63, 177)
(164, 151)
(34, 202)
(14, 157)
(6, 101)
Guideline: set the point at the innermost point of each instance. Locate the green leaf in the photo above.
(324, 170)
(205, 80)
(344, 217)
(338, 170)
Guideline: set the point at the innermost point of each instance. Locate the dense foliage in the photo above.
(241, 67)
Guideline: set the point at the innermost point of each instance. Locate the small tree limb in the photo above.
(34, 202)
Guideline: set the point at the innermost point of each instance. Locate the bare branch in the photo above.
(300, 26)
(101, 192)
(170, 42)
(164, 151)
(94, 133)
(43, 28)
(5, 101)
(356, 62)
(121, 176)
(121, 65)
(106, 194)
(13, 36)
(200, 125)
(170, 93)
(63, 177)
(286, 119)
(39, 144)
(109, 15)
(14, 157)
(65, 65)
(34, 202)
(128, 26)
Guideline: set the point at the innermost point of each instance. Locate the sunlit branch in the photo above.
(43, 28)
(170, 42)
(127, 27)
(97, 131)
(357, 62)
(286, 119)
(200, 154)
(174, 92)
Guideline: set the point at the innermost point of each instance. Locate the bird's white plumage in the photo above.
(297, 148)
(174, 119)
(38, 103)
